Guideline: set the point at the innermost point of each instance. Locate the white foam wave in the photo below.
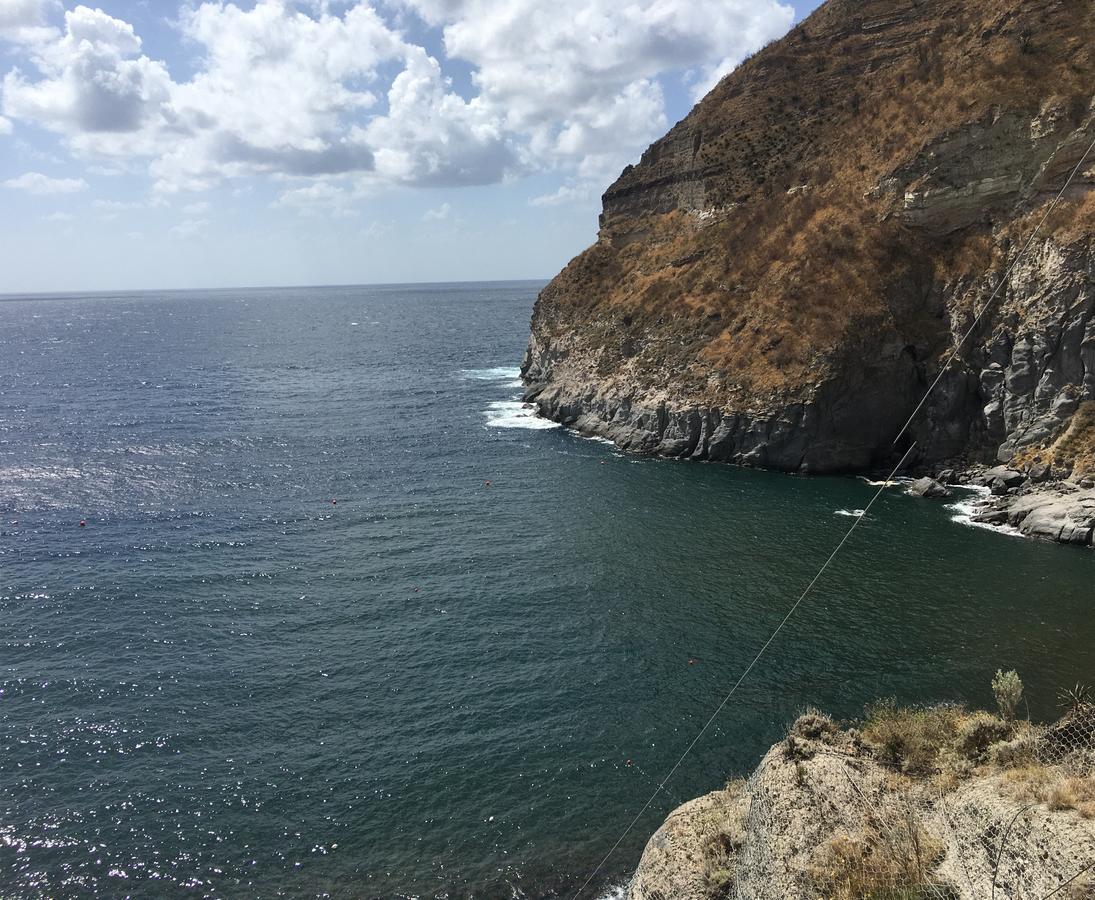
(515, 414)
(615, 893)
(498, 373)
(854, 513)
(894, 483)
(964, 510)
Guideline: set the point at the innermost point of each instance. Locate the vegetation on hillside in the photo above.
(798, 259)
(889, 848)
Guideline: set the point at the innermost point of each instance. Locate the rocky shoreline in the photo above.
(1032, 501)
(758, 295)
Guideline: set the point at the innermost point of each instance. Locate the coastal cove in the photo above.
(346, 618)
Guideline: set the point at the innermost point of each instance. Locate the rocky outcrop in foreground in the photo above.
(780, 277)
(918, 803)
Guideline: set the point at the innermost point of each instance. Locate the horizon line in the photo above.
(30, 295)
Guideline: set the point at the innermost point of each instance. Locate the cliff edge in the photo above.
(780, 277)
(919, 803)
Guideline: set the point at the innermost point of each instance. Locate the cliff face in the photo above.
(933, 804)
(779, 278)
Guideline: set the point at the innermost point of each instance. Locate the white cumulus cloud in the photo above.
(95, 82)
(437, 215)
(37, 183)
(316, 92)
(26, 21)
(280, 92)
(322, 198)
(431, 136)
(575, 76)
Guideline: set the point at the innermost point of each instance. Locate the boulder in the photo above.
(1064, 516)
(1039, 473)
(992, 516)
(947, 476)
(1010, 477)
(928, 488)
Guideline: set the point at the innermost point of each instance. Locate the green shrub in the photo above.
(910, 738)
(1007, 688)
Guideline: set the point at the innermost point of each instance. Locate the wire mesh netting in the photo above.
(1011, 819)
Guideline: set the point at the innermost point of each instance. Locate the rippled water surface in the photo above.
(345, 619)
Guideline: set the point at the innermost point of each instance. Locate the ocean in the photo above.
(299, 600)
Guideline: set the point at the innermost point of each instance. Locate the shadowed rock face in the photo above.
(781, 276)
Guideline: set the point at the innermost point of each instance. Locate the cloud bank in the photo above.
(338, 98)
(37, 183)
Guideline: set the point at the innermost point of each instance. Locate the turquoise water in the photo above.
(227, 684)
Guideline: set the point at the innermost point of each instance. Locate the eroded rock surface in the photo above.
(1062, 512)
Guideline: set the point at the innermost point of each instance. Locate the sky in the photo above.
(165, 144)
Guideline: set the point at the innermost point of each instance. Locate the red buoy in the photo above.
(83, 524)
(487, 483)
(334, 503)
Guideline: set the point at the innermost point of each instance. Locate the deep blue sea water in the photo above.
(226, 683)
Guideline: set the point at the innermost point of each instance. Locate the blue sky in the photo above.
(153, 143)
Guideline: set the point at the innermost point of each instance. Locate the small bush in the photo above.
(813, 725)
(796, 750)
(1007, 688)
(911, 739)
(1083, 888)
(979, 732)
(1074, 699)
(1017, 753)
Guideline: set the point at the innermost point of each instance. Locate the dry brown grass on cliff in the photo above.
(1077, 445)
(890, 860)
(912, 739)
(1058, 790)
(762, 295)
(1073, 220)
(1075, 448)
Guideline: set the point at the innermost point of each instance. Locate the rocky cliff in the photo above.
(779, 278)
(926, 803)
